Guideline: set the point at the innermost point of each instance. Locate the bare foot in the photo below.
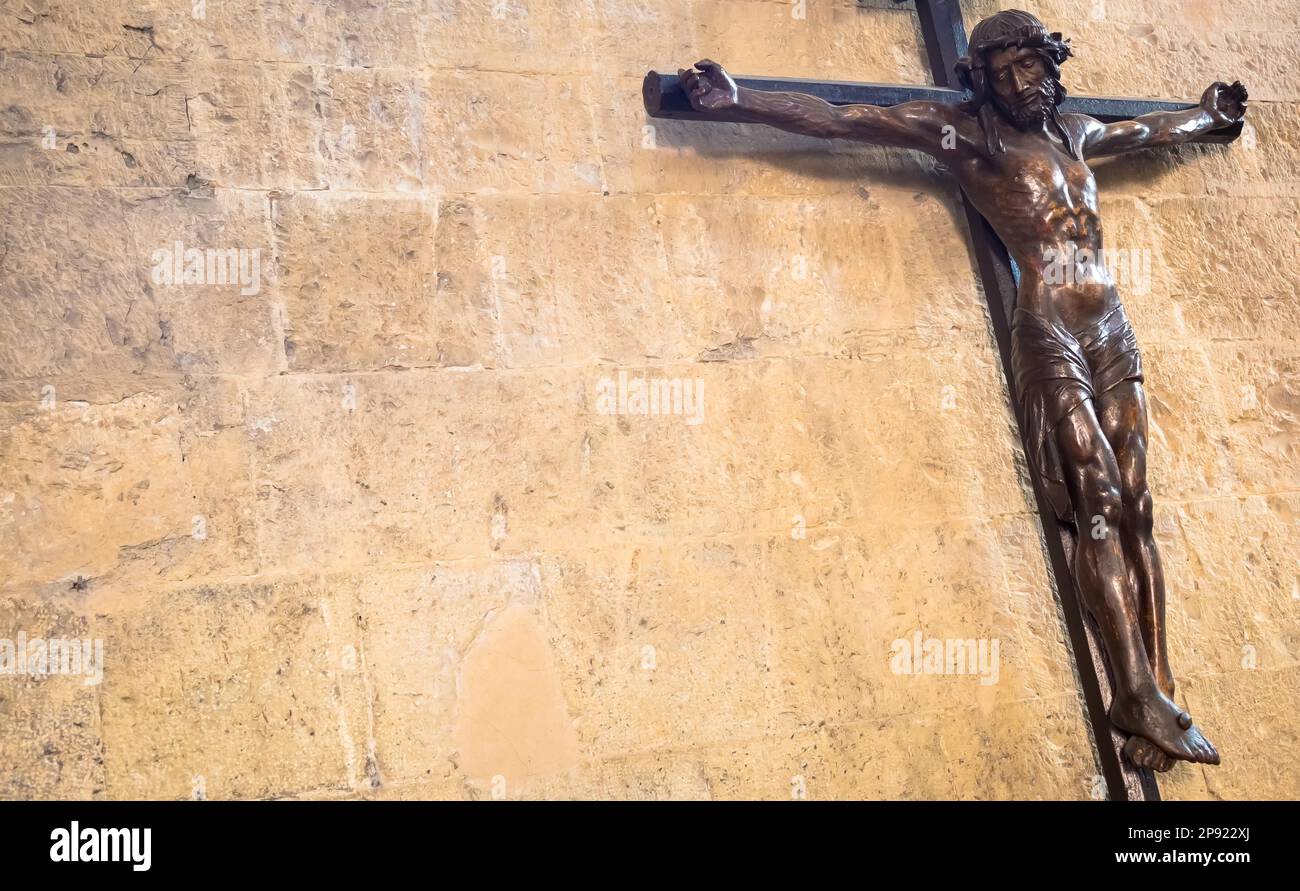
(1144, 753)
(1153, 715)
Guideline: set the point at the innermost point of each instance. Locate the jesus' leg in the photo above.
(1123, 415)
(1102, 576)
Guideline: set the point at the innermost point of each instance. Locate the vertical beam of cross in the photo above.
(945, 42)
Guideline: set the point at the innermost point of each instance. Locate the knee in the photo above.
(1139, 508)
(1102, 498)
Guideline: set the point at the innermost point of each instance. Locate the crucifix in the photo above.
(1000, 121)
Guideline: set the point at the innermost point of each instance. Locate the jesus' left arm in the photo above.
(1222, 105)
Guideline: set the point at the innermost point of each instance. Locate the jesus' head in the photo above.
(1014, 70)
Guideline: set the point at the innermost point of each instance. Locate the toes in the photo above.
(1204, 752)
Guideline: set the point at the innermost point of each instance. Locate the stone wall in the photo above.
(367, 521)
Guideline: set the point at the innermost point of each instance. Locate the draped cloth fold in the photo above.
(1056, 372)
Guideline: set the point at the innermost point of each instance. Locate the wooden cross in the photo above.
(945, 42)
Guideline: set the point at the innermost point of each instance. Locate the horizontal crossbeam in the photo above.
(664, 98)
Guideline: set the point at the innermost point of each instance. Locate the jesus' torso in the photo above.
(1043, 205)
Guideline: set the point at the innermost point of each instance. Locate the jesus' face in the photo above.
(1023, 88)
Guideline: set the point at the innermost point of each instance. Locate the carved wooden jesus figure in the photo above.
(1078, 372)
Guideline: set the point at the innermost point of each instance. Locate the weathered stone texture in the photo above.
(52, 744)
(372, 526)
(127, 494)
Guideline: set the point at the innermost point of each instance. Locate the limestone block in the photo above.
(1188, 455)
(933, 430)
(49, 724)
(1258, 386)
(338, 458)
(1041, 660)
(630, 36)
(346, 33)
(787, 767)
(695, 289)
(638, 630)
(108, 499)
(1256, 752)
(115, 98)
(372, 129)
(512, 720)
(71, 120)
(499, 131)
(226, 320)
(837, 275)
(833, 41)
(357, 279)
(1158, 173)
(255, 701)
(935, 755)
(71, 281)
(835, 610)
(1195, 16)
(352, 33)
(850, 606)
(1170, 60)
(418, 627)
(1231, 263)
(1265, 161)
(88, 160)
(258, 126)
(92, 282)
(668, 465)
(202, 30)
(968, 754)
(655, 776)
(470, 693)
(1233, 583)
(1133, 252)
(532, 263)
(77, 28)
(508, 35)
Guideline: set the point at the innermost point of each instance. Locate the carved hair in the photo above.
(1013, 27)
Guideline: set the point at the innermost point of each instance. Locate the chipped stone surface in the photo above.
(372, 527)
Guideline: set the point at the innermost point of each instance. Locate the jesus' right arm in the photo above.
(932, 127)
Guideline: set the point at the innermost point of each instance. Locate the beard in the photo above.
(1031, 111)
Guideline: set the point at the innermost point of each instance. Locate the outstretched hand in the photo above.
(709, 86)
(1225, 103)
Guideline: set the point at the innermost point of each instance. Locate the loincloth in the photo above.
(1056, 372)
